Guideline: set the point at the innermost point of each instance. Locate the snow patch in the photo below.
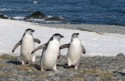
(106, 44)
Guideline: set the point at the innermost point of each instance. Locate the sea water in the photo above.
(111, 12)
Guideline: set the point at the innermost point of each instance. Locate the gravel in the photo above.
(97, 68)
(90, 27)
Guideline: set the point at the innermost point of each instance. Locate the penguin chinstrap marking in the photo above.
(27, 46)
(50, 52)
(75, 50)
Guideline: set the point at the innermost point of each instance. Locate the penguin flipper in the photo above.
(36, 40)
(64, 46)
(59, 54)
(19, 43)
(83, 50)
(38, 48)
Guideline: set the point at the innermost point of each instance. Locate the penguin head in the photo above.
(29, 31)
(74, 35)
(57, 36)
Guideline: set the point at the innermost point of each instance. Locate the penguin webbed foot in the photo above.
(72, 66)
(24, 62)
(43, 69)
(66, 66)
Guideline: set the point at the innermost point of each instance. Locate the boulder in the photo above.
(3, 16)
(36, 15)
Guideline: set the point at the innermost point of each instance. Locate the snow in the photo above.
(106, 44)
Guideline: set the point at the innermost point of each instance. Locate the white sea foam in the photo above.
(43, 21)
(49, 16)
(19, 17)
(35, 2)
(51, 22)
(5, 9)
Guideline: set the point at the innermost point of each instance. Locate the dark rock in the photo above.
(120, 71)
(36, 15)
(54, 19)
(120, 55)
(3, 16)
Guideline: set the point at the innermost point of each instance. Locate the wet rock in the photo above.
(54, 19)
(3, 16)
(120, 55)
(36, 15)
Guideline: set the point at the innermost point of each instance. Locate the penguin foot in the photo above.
(76, 67)
(54, 69)
(23, 63)
(42, 69)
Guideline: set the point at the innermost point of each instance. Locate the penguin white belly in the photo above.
(74, 52)
(50, 55)
(27, 47)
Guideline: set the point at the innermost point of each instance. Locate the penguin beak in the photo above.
(77, 33)
(61, 36)
(33, 30)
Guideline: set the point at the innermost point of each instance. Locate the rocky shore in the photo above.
(36, 16)
(91, 28)
(91, 69)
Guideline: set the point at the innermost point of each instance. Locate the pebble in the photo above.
(90, 69)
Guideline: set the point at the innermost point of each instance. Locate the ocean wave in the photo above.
(11, 9)
(6, 9)
(44, 21)
(35, 2)
(53, 22)
(18, 17)
(49, 16)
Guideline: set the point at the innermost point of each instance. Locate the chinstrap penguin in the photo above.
(50, 52)
(27, 45)
(75, 50)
